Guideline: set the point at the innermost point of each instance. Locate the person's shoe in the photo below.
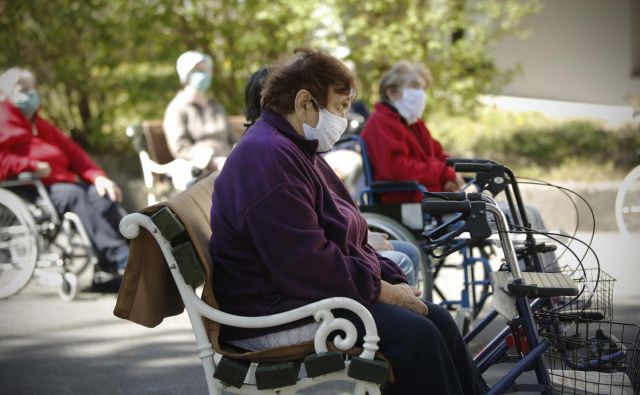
(104, 282)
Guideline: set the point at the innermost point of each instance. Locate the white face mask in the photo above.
(411, 104)
(330, 128)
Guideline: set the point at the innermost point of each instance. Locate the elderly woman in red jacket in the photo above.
(399, 144)
(28, 143)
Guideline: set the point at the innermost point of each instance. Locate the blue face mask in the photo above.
(27, 102)
(200, 80)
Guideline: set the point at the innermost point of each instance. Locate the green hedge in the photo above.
(534, 144)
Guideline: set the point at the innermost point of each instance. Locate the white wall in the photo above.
(579, 50)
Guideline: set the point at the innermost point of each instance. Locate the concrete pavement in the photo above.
(51, 347)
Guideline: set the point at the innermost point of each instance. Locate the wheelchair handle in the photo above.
(469, 167)
(454, 161)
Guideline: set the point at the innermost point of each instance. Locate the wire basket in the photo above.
(591, 356)
(596, 295)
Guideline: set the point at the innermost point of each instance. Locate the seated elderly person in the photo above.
(401, 147)
(28, 143)
(399, 144)
(286, 233)
(404, 254)
(195, 125)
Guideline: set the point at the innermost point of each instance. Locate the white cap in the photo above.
(188, 60)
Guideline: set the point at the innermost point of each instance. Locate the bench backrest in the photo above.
(156, 142)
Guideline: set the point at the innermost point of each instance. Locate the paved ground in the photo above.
(49, 346)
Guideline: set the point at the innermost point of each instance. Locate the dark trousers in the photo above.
(99, 216)
(427, 354)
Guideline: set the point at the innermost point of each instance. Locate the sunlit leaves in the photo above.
(103, 64)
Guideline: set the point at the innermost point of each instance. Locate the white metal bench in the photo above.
(185, 248)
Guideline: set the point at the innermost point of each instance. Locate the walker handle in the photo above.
(451, 196)
(469, 167)
(439, 207)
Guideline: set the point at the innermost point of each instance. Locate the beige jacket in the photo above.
(195, 133)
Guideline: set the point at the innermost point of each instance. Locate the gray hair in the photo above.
(399, 74)
(11, 77)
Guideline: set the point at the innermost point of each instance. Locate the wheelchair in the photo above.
(35, 241)
(407, 222)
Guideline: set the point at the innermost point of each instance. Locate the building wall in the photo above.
(579, 50)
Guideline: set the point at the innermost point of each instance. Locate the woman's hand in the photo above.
(106, 186)
(43, 169)
(460, 181)
(455, 185)
(402, 295)
(379, 241)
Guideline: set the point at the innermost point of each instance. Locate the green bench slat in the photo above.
(232, 372)
(276, 375)
(169, 225)
(374, 371)
(324, 363)
(189, 264)
(172, 229)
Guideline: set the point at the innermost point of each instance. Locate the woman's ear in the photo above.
(302, 103)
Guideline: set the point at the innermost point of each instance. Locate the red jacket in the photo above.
(404, 153)
(23, 144)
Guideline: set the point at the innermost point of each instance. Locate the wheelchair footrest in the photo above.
(232, 372)
(325, 363)
(374, 371)
(276, 375)
(535, 284)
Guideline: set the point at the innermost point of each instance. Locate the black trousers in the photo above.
(100, 217)
(427, 353)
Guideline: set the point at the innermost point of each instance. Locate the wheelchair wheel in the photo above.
(76, 248)
(18, 244)
(397, 231)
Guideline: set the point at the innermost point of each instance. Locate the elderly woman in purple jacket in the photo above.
(286, 233)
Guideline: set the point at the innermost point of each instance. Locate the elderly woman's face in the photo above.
(415, 81)
(337, 104)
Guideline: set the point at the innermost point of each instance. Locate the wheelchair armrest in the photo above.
(24, 178)
(27, 176)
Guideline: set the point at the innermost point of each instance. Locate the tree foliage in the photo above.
(102, 64)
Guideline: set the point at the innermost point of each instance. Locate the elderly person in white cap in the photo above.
(28, 143)
(195, 125)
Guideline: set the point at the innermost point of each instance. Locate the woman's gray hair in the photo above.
(11, 77)
(400, 73)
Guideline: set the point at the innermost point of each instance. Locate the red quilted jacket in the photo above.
(399, 152)
(23, 144)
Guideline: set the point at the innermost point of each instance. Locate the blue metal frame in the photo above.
(468, 295)
(368, 197)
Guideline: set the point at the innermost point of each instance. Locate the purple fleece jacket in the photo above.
(285, 230)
